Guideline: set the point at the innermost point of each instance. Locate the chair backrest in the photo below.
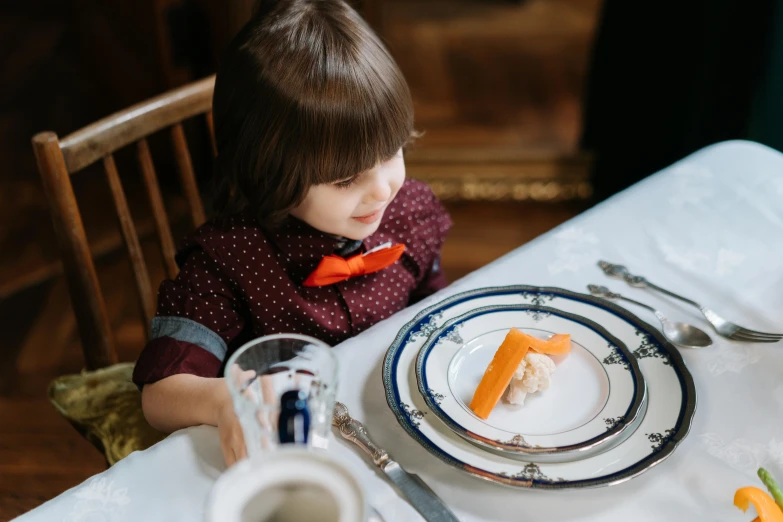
(59, 159)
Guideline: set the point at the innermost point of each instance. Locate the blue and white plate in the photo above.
(592, 404)
(671, 395)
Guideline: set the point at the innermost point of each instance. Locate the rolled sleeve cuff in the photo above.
(189, 331)
(179, 345)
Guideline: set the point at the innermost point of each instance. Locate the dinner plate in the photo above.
(592, 404)
(671, 395)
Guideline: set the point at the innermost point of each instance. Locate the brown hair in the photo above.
(307, 94)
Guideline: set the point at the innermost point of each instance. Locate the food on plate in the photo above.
(558, 344)
(499, 372)
(532, 375)
(766, 508)
(517, 371)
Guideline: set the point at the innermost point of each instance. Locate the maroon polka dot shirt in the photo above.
(238, 282)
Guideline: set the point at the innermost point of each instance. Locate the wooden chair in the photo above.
(58, 160)
(103, 404)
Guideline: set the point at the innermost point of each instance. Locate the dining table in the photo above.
(709, 227)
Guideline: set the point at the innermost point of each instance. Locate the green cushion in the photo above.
(105, 407)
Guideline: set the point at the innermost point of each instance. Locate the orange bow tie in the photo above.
(333, 269)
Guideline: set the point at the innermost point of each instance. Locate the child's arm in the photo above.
(199, 316)
(184, 400)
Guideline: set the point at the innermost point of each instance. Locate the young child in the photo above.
(311, 116)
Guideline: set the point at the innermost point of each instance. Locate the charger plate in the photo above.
(671, 394)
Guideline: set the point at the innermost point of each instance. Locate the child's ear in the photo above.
(415, 135)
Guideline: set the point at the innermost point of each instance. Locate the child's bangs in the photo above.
(366, 125)
(307, 95)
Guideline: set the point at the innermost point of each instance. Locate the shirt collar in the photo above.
(301, 246)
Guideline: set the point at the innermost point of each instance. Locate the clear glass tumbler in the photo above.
(260, 372)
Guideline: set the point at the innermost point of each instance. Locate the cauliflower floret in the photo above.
(519, 373)
(533, 374)
(515, 393)
(538, 372)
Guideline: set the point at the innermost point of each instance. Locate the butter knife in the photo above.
(415, 491)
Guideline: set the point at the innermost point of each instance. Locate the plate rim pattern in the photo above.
(664, 444)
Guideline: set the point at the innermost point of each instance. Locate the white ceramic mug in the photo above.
(287, 485)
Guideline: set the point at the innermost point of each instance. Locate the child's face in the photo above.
(353, 208)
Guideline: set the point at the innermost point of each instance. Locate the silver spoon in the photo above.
(681, 334)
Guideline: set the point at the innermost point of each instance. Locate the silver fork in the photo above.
(725, 328)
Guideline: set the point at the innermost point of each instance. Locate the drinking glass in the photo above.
(269, 369)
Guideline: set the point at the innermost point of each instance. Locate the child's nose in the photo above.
(381, 191)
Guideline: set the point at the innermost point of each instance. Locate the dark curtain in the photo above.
(672, 76)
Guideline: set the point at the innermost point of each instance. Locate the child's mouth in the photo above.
(371, 218)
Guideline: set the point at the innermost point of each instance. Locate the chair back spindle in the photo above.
(58, 160)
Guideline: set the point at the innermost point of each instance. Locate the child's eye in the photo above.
(345, 183)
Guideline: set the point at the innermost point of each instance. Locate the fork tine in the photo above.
(749, 334)
(738, 336)
(752, 340)
(759, 334)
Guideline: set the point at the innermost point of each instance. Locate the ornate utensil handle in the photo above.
(620, 272)
(354, 431)
(636, 281)
(602, 291)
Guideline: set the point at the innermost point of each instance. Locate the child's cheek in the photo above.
(344, 205)
(400, 179)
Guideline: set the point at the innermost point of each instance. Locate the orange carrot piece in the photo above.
(558, 344)
(765, 506)
(499, 372)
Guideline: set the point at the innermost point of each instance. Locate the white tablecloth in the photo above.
(710, 227)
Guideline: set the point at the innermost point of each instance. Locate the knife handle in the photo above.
(354, 431)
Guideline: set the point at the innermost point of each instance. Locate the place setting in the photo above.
(546, 388)
(532, 388)
(597, 398)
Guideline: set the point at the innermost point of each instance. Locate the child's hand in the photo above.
(232, 442)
